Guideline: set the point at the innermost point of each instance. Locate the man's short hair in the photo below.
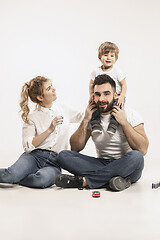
(108, 47)
(104, 78)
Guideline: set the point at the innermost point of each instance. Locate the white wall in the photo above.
(60, 38)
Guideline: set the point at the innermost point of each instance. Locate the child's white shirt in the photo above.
(114, 73)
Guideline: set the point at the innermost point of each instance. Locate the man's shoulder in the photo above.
(130, 110)
(133, 117)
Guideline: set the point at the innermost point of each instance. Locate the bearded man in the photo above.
(119, 161)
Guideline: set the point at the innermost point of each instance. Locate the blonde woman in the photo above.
(45, 133)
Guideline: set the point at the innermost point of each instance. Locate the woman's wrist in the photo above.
(50, 130)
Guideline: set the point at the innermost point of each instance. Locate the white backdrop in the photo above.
(60, 38)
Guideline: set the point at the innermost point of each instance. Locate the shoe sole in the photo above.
(96, 131)
(110, 132)
(119, 183)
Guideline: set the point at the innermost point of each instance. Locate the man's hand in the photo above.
(80, 137)
(119, 115)
(89, 110)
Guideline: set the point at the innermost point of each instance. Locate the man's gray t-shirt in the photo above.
(114, 146)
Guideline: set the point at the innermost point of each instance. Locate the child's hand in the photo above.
(91, 99)
(120, 101)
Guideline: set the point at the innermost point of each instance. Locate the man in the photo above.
(120, 156)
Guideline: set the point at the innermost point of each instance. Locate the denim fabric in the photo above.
(37, 169)
(98, 171)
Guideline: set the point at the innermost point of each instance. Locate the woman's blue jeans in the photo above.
(98, 171)
(36, 169)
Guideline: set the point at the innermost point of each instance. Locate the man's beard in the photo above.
(107, 109)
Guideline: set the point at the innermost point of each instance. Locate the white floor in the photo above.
(30, 214)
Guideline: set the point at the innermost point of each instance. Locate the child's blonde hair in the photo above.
(107, 47)
(31, 89)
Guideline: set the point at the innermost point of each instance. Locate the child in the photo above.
(108, 55)
(45, 134)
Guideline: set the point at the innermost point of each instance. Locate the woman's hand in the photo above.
(56, 121)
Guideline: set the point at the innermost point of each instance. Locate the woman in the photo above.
(45, 134)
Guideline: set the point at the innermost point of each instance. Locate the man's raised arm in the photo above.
(136, 136)
(79, 139)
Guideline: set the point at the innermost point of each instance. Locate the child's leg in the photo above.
(96, 122)
(96, 116)
(112, 127)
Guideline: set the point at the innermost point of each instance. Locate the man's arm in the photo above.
(79, 139)
(136, 136)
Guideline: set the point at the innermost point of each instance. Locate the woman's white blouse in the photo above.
(40, 120)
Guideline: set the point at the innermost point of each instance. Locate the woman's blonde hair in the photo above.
(31, 89)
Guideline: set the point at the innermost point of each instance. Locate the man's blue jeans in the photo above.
(98, 171)
(37, 169)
